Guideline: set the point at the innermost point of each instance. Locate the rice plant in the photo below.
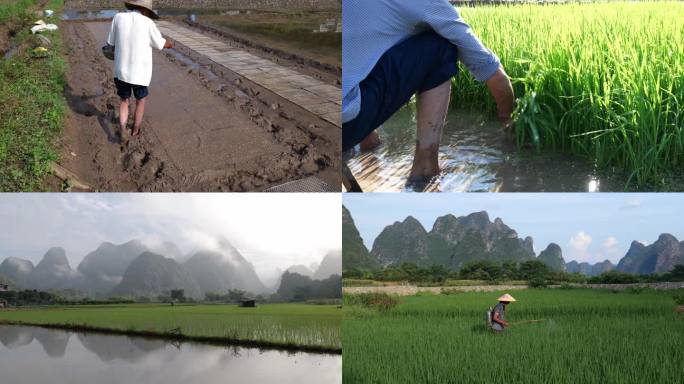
(601, 80)
(292, 325)
(582, 336)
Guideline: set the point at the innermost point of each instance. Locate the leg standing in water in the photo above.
(432, 107)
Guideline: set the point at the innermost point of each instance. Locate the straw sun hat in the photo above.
(507, 298)
(147, 4)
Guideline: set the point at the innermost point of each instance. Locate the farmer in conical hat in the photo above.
(498, 314)
(133, 35)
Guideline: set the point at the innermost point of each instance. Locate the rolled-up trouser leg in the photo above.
(417, 64)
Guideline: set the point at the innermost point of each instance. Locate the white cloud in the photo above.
(579, 247)
(270, 230)
(610, 242)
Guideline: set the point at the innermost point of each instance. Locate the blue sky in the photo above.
(272, 231)
(588, 226)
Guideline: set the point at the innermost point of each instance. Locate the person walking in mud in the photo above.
(498, 322)
(133, 35)
(393, 49)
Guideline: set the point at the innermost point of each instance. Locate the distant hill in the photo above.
(301, 270)
(295, 287)
(451, 242)
(589, 269)
(103, 268)
(659, 257)
(53, 272)
(330, 265)
(18, 270)
(217, 272)
(152, 275)
(354, 252)
(552, 256)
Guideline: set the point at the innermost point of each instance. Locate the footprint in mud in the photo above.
(81, 106)
(136, 159)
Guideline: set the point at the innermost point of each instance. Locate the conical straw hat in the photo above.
(147, 4)
(507, 298)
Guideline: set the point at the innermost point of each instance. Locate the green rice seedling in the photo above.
(586, 336)
(287, 325)
(601, 80)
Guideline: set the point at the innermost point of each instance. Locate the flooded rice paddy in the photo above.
(315, 35)
(30, 355)
(475, 156)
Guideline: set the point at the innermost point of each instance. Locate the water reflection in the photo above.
(475, 156)
(57, 357)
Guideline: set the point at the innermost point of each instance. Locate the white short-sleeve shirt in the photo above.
(134, 35)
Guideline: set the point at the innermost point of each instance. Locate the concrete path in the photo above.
(319, 98)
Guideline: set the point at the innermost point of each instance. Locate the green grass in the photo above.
(605, 81)
(588, 336)
(279, 325)
(33, 105)
(11, 8)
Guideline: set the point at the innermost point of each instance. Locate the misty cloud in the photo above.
(272, 231)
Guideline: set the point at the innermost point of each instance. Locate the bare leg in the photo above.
(371, 142)
(432, 108)
(139, 113)
(123, 115)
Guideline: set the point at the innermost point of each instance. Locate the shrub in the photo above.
(374, 300)
(679, 296)
(537, 282)
(450, 291)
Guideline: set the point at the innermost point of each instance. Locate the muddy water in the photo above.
(474, 156)
(36, 355)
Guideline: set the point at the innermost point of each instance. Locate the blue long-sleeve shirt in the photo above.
(371, 27)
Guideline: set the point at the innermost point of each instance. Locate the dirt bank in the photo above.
(201, 132)
(408, 290)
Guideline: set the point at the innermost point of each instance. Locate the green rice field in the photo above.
(600, 80)
(584, 336)
(278, 325)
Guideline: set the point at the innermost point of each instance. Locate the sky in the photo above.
(272, 231)
(589, 227)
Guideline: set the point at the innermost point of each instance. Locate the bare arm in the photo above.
(496, 319)
(501, 89)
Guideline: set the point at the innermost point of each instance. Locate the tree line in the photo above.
(534, 272)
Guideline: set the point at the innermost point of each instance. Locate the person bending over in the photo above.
(499, 322)
(393, 49)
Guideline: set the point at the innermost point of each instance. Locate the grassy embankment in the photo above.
(32, 105)
(287, 326)
(604, 81)
(585, 336)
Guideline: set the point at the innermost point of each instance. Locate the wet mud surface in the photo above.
(203, 131)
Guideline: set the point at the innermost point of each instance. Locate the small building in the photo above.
(3, 304)
(4, 287)
(247, 303)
